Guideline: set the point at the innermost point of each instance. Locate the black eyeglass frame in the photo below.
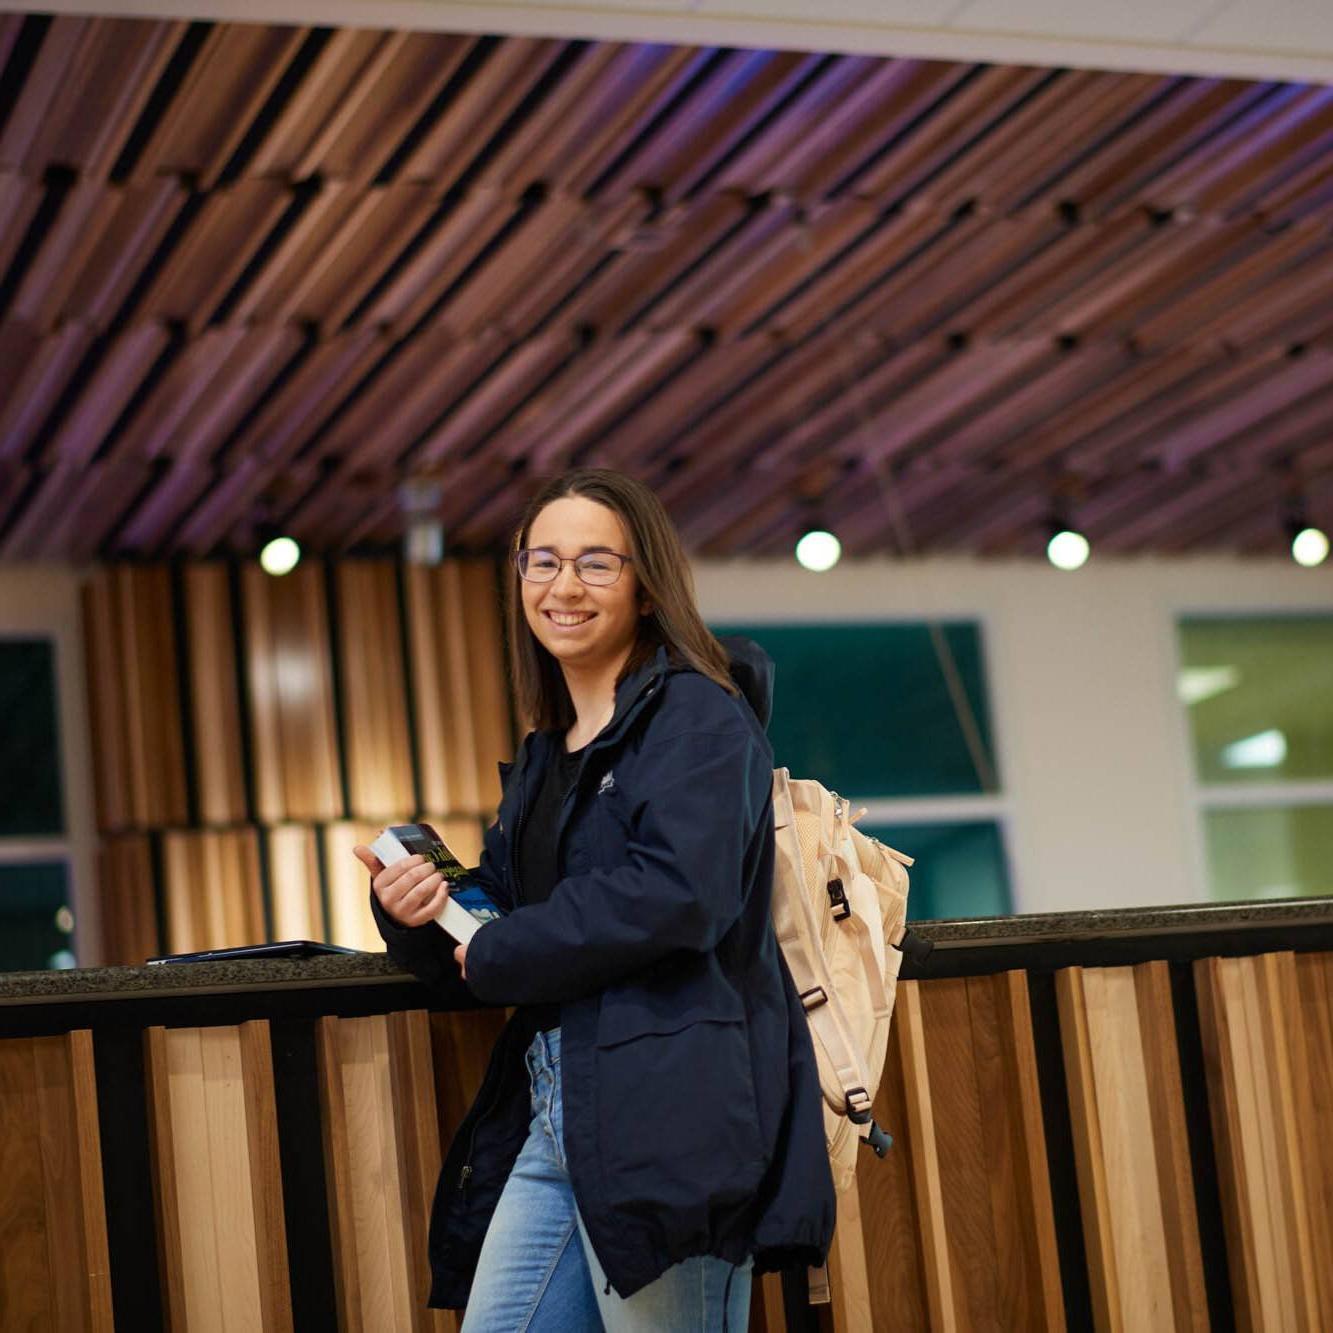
(563, 560)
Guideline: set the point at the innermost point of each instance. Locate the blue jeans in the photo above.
(537, 1269)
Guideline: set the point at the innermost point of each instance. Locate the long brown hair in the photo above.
(664, 579)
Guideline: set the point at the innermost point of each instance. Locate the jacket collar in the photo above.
(631, 695)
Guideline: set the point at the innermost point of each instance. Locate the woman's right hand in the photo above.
(411, 891)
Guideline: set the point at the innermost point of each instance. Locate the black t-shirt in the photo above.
(538, 870)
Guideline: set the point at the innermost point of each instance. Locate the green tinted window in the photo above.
(1270, 852)
(34, 932)
(1259, 695)
(960, 869)
(29, 742)
(867, 710)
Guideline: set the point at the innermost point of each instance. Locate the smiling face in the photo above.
(586, 629)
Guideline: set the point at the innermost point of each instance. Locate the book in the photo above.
(468, 906)
(273, 949)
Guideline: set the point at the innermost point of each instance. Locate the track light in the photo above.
(1309, 546)
(279, 556)
(818, 551)
(1067, 549)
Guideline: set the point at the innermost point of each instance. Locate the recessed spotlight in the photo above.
(280, 556)
(818, 551)
(1068, 550)
(1309, 547)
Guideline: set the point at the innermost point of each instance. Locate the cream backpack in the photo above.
(840, 913)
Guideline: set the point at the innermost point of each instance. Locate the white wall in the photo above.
(1099, 807)
(42, 601)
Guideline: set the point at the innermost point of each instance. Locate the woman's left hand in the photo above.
(460, 957)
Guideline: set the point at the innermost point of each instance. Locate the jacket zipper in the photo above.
(465, 1175)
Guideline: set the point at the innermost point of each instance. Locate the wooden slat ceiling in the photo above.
(265, 275)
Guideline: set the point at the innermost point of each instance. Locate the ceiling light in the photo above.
(1309, 547)
(818, 551)
(1265, 749)
(279, 556)
(1068, 549)
(1195, 684)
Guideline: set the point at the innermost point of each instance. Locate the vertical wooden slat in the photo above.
(1128, 1118)
(1170, 1139)
(110, 743)
(150, 695)
(54, 1267)
(290, 670)
(293, 860)
(1262, 1082)
(128, 908)
(374, 689)
(768, 1312)
(261, 1136)
(137, 742)
(849, 1285)
(215, 715)
(382, 1138)
(487, 679)
(1314, 982)
(218, 1187)
(350, 922)
(900, 1233)
(909, 1030)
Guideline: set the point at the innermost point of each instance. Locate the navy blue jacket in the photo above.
(691, 1100)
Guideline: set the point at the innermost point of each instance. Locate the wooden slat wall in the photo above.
(1127, 1111)
(54, 1266)
(281, 701)
(212, 888)
(958, 1222)
(382, 1155)
(1269, 1056)
(221, 1238)
(958, 1218)
(456, 642)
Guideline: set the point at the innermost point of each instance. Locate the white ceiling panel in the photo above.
(874, 13)
(1146, 20)
(1293, 25)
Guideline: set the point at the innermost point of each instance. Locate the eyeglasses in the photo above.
(598, 569)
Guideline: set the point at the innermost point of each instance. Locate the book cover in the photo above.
(469, 907)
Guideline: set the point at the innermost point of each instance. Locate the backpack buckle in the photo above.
(859, 1106)
(837, 897)
(814, 997)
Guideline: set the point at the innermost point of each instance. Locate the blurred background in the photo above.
(942, 282)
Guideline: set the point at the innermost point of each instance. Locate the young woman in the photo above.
(649, 1128)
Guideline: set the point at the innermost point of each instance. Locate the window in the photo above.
(36, 924)
(896, 718)
(1258, 695)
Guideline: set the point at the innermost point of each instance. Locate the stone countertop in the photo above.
(372, 968)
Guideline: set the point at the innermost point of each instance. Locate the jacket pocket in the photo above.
(677, 1119)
